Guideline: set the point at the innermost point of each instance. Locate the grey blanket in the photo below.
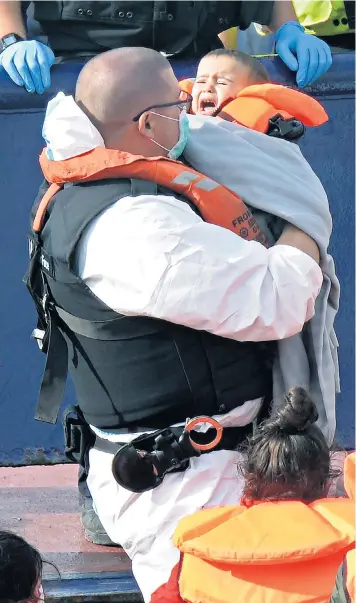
(272, 176)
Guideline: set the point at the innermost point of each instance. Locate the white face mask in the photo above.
(178, 149)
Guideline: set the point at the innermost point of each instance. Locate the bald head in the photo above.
(115, 86)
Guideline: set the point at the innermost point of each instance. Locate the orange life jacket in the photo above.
(255, 105)
(283, 552)
(217, 204)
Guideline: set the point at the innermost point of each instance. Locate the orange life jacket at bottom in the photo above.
(273, 552)
(255, 105)
(217, 204)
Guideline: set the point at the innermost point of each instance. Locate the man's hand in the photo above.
(295, 237)
(302, 52)
(28, 64)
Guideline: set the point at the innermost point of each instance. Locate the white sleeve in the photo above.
(153, 256)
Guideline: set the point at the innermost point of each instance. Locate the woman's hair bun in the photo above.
(298, 412)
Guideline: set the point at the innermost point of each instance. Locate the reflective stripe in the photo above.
(185, 178)
(207, 185)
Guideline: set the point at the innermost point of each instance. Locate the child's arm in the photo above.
(283, 11)
(295, 237)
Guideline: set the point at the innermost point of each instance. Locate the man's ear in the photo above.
(145, 125)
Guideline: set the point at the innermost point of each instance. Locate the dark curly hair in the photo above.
(20, 569)
(288, 457)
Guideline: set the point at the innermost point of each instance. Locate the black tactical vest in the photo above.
(127, 371)
(182, 28)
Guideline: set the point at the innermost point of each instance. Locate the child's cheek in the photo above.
(223, 95)
(195, 95)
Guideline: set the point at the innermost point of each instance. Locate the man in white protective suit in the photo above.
(173, 299)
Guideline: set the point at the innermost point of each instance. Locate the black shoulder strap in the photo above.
(143, 187)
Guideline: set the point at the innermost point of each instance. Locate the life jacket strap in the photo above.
(54, 376)
(288, 129)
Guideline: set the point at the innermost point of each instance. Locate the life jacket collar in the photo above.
(100, 163)
(213, 534)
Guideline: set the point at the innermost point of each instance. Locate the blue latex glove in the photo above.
(302, 52)
(28, 64)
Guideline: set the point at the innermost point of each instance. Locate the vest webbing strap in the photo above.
(54, 376)
(102, 330)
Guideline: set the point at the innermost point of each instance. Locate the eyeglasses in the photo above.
(184, 102)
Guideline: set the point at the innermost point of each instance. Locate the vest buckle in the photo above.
(287, 129)
(39, 335)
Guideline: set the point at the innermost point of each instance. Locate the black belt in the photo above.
(141, 465)
(231, 439)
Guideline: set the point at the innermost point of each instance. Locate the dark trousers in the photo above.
(79, 439)
(82, 482)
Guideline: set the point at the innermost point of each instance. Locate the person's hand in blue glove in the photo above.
(309, 56)
(28, 64)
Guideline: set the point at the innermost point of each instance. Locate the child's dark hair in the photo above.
(259, 73)
(288, 457)
(20, 569)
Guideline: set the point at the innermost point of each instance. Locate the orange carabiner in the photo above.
(191, 423)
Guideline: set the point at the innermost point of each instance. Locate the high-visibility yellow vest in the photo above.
(319, 17)
(323, 18)
(229, 38)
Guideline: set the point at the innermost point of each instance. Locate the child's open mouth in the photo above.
(207, 105)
